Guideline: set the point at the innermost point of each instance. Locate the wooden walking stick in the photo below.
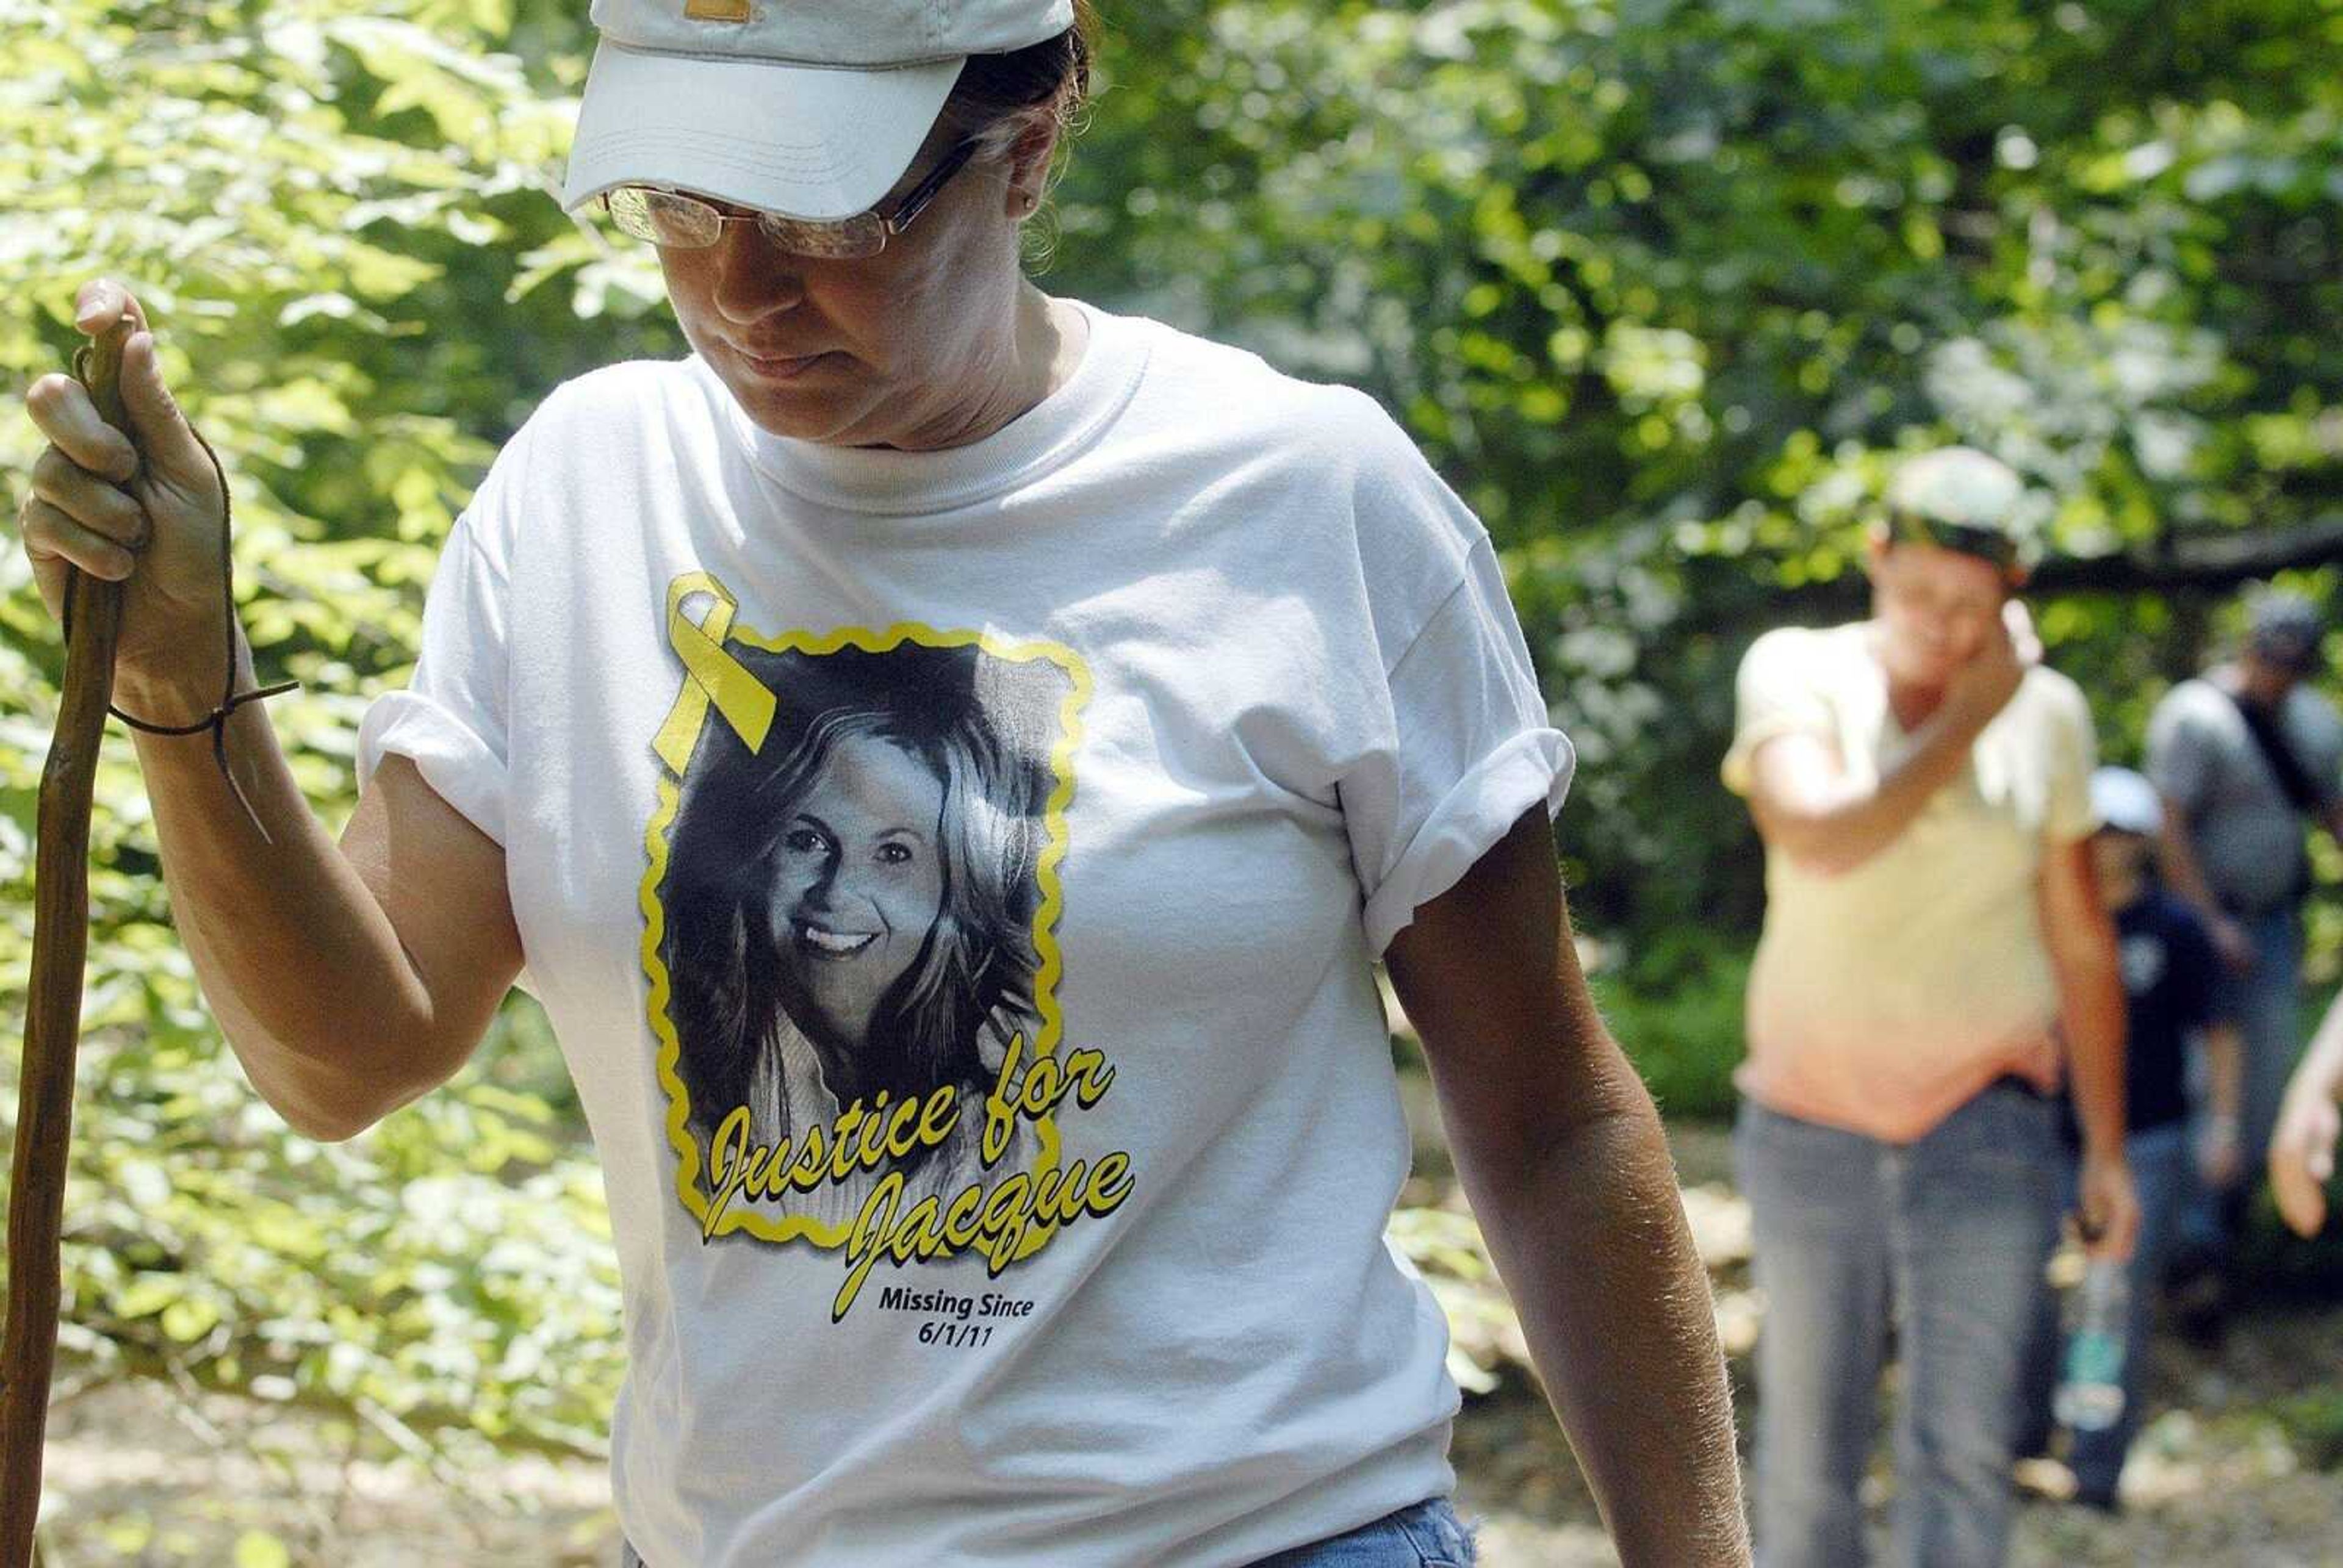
(53, 1009)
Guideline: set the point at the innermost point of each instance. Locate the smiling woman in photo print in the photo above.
(849, 908)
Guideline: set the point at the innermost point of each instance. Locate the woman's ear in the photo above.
(1875, 552)
(1029, 164)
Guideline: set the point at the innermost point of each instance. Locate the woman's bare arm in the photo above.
(348, 978)
(1561, 1153)
(1807, 805)
(2081, 938)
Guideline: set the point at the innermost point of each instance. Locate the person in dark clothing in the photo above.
(2171, 972)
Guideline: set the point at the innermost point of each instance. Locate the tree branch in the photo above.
(2200, 562)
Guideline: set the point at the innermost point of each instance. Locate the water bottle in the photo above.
(2090, 1396)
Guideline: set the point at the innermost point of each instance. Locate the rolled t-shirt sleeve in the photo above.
(1469, 747)
(451, 718)
(1776, 692)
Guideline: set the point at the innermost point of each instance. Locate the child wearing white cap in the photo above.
(2171, 976)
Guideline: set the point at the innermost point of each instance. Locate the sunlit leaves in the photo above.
(1664, 289)
(324, 213)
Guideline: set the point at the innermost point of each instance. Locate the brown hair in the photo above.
(1000, 97)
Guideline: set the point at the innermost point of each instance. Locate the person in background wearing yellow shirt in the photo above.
(1935, 957)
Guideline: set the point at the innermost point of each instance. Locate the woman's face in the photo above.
(860, 879)
(886, 351)
(1936, 607)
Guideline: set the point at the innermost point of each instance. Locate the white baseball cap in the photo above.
(1960, 499)
(2127, 802)
(809, 107)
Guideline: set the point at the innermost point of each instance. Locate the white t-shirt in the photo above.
(953, 878)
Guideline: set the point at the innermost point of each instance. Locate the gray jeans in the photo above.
(1944, 1238)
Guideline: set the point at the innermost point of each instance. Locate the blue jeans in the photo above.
(2266, 1003)
(1427, 1534)
(2163, 1170)
(1944, 1238)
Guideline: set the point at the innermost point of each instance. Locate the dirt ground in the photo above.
(2214, 1484)
(141, 1472)
(2216, 1481)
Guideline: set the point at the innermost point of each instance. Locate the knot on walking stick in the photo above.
(230, 698)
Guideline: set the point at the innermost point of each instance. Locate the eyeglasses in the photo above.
(682, 222)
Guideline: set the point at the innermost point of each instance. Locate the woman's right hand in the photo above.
(1983, 686)
(150, 516)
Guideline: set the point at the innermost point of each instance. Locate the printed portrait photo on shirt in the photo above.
(851, 921)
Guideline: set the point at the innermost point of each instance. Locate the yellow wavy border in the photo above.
(1051, 964)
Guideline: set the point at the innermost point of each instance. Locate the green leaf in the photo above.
(260, 1549)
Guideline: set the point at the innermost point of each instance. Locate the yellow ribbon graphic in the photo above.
(711, 675)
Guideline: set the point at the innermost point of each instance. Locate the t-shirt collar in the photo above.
(884, 481)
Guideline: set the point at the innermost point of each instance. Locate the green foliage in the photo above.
(449, 1275)
(1664, 289)
(1676, 1008)
(341, 225)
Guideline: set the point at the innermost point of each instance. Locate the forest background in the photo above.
(1664, 289)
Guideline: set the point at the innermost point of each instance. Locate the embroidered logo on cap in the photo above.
(716, 10)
